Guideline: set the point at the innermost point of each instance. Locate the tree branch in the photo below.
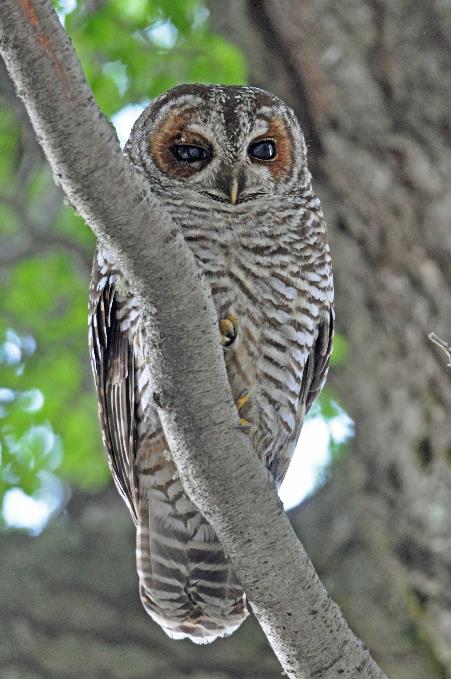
(216, 463)
(444, 346)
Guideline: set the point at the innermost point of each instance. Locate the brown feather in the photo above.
(112, 362)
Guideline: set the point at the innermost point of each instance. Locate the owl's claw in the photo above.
(240, 402)
(228, 327)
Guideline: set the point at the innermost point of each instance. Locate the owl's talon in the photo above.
(240, 403)
(242, 400)
(247, 425)
(228, 327)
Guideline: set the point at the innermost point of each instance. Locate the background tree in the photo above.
(397, 570)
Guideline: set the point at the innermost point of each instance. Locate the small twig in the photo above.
(443, 345)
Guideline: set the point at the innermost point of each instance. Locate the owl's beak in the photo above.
(234, 190)
(230, 181)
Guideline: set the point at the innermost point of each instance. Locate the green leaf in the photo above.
(339, 350)
(30, 400)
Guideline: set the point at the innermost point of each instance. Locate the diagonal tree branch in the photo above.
(216, 463)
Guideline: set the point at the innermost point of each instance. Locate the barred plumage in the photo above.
(258, 234)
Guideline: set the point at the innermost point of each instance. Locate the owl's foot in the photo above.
(240, 403)
(228, 327)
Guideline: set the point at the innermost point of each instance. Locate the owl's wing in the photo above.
(315, 370)
(113, 365)
(313, 378)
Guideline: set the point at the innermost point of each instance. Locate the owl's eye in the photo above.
(188, 153)
(263, 149)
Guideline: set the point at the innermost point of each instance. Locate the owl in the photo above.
(229, 165)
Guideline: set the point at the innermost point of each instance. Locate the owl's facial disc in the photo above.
(224, 149)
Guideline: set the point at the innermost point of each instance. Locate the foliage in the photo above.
(29, 448)
(48, 296)
(132, 51)
(339, 351)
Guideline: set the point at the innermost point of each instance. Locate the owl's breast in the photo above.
(274, 276)
(266, 359)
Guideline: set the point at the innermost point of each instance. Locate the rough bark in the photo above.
(218, 469)
(369, 82)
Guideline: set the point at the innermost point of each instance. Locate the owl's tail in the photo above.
(186, 582)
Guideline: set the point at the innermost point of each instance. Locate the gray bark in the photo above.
(369, 81)
(218, 469)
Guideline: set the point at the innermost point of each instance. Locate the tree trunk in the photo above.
(367, 80)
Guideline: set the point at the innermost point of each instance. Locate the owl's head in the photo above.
(230, 144)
